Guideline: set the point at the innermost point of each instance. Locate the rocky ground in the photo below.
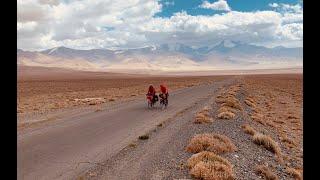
(273, 113)
(41, 96)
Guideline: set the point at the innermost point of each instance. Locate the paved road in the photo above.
(63, 150)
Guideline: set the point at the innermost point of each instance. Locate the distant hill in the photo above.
(166, 57)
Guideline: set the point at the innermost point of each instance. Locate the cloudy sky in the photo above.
(88, 24)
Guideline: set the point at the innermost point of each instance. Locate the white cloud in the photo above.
(220, 5)
(274, 5)
(28, 26)
(50, 2)
(109, 23)
(168, 3)
(292, 8)
(296, 8)
(205, 30)
(292, 18)
(291, 31)
(32, 11)
(83, 21)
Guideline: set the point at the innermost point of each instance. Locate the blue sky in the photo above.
(88, 24)
(192, 6)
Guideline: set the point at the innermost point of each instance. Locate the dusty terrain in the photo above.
(251, 125)
(73, 143)
(41, 90)
(165, 154)
(279, 100)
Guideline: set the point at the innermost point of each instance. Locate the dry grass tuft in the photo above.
(97, 110)
(206, 109)
(232, 102)
(271, 124)
(289, 142)
(203, 117)
(223, 97)
(292, 117)
(93, 103)
(232, 93)
(209, 166)
(226, 115)
(258, 118)
(230, 105)
(229, 100)
(278, 121)
(266, 172)
(267, 142)
(283, 102)
(294, 173)
(80, 178)
(226, 108)
(250, 98)
(210, 142)
(144, 137)
(212, 171)
(218, 98)
(256, 109)
(248, 129)
(250, 103)
(132, 145)
(206, 156)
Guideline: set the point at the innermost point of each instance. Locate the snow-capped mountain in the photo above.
(91, 55)
(166, 57)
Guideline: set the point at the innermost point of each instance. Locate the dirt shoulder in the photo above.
(275, 112)
(68, 146)
(43, 101)
(44, 96)
(161, 156)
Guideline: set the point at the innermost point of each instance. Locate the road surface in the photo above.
(67, 148)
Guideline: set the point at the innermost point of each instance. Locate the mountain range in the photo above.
(166, 57)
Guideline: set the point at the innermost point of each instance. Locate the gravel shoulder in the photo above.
(63, 148)
(163, 155)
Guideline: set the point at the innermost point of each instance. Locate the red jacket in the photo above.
(151, 90)
(163, 89)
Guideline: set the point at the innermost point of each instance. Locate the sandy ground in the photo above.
(43, 90)
(83, 141)
(163, 155)
(280, 100)
(68, 146)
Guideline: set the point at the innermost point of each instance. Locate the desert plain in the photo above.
(93, 125)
